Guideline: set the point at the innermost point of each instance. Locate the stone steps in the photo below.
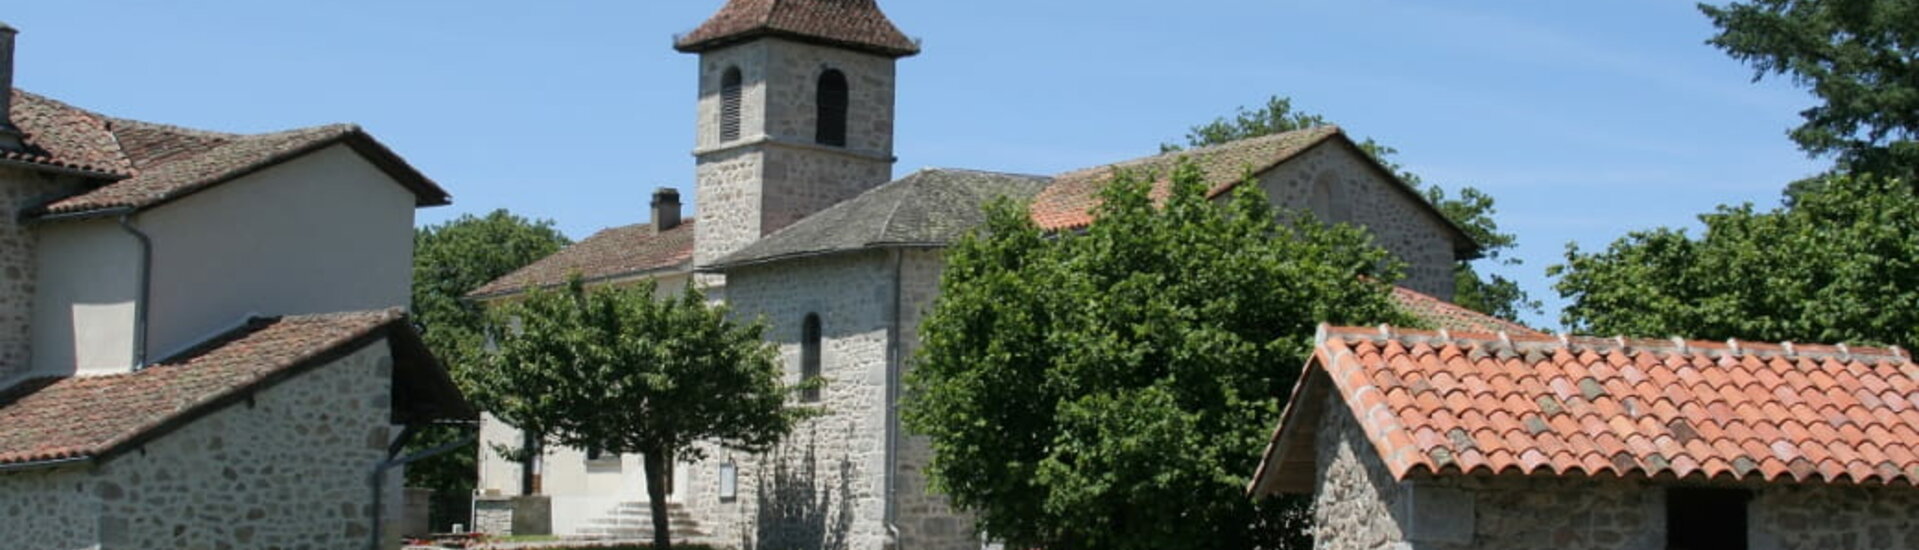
(634, 520)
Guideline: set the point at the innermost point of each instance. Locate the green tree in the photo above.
(1836, 264)
(1472, 210)
(1081, 389)
(617, 370)
(449, 260)
(1859, 57)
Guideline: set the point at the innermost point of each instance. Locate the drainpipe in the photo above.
(378, 479)
(893, 372)
(143, 293)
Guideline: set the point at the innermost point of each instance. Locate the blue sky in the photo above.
(1585, 119)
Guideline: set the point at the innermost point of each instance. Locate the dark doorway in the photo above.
(1706, 519)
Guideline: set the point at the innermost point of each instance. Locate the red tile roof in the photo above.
(1437, 404)
(857, 24)
(150, 164)
(64, 137)
(1446, 315)
(95, 417)
(610, 254)
(1070, 202)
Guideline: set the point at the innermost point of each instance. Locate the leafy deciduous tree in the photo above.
(1081, 390)
(449, 260)
(1472, 210)
(613, 368)
(1838, 264)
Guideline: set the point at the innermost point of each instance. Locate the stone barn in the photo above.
(1428, 440)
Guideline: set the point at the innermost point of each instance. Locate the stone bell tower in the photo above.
(795, 113)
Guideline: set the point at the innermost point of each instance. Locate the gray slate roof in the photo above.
(931, 207)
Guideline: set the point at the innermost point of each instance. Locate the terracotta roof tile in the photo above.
(146, 164)
(1765, 431)
(857, 24)
(1446, 315)
(65, 137)
(90, 416)
(1070, 201)
(610, 254)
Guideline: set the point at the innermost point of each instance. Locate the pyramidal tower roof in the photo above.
(854, 24)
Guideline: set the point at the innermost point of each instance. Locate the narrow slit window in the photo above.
(810, 357)
(730, 91)
(833, 103)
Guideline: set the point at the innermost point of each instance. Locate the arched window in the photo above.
(730, 92)
(833, 98)
(1328, 202)
(810, 356)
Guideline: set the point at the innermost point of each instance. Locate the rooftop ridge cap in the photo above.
(113, 121)
(1330, 129)
(979, 171)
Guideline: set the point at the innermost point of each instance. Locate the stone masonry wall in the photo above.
(1819, 517)
(730, 195)
(19, 189)
(289, 470)
(801, 180)
(823, 487)
(926, 519)
(792, 96)
(48, 510)
(1350, 191)
(775, 174)
(1359, 506)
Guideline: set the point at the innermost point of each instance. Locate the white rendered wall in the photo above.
(83, 314)
(322, 233)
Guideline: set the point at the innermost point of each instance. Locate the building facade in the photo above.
(803, 224)
(1509, 441)
(201, 336)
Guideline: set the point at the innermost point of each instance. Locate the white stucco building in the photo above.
(802, 223)
(202, 340)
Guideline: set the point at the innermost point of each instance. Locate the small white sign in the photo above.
(729, 481)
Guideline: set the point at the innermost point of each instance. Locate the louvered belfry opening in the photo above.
(730, 96)
(833, 99)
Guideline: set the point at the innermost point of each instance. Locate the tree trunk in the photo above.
(658, 466)
(529, 461)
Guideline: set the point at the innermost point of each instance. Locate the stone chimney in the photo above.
(666, 209)
(10, 135)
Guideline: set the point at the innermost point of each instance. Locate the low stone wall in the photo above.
(493, 515)
(513, 515)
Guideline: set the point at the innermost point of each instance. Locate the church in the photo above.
(803, 223)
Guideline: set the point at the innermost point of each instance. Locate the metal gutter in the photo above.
(723, 267)
(894, 368)
(63, 170)
(143, 294)
(378, 479)
(43, 464)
